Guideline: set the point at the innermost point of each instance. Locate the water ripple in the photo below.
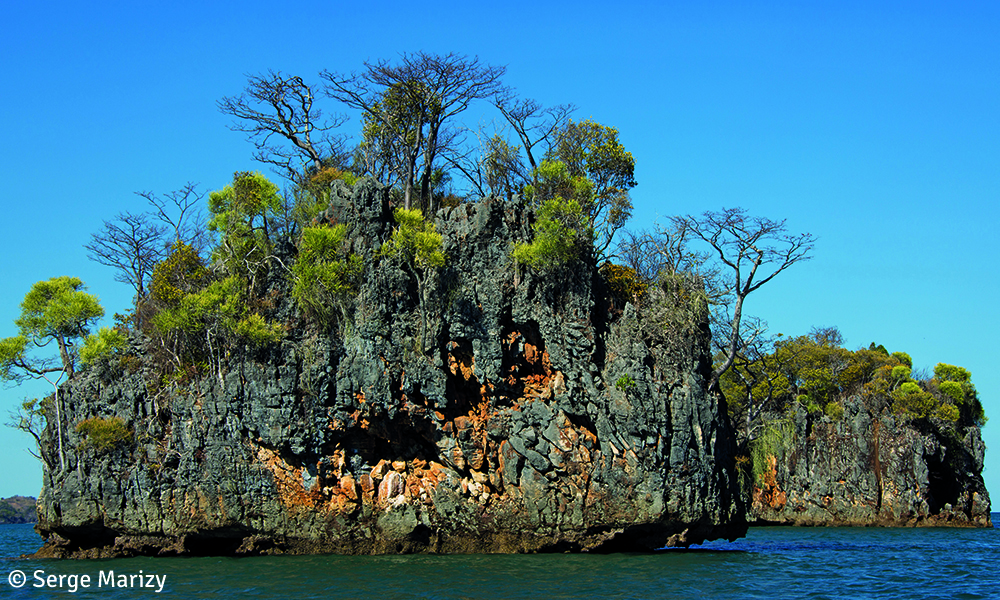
(770, 563)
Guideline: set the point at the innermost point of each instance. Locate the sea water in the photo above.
(770, 562)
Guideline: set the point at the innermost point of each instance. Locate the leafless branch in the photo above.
(278, 105)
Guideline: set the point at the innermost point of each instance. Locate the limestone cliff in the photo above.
(871, 467)
(504, 433)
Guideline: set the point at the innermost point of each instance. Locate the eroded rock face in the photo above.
(871, 467)
(503, 433)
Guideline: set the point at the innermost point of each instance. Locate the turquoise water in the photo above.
(771, 562)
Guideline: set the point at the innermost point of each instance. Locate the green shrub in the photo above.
(181, 272)
(834, 410)
(903, 358)
(325, 273)
(105, 434)
(625, 383)
(900, 373)
(969, 405)
(420, 247)
(911, 400)
(216, 310)
(102, 344)
(561, 235)
(255, 329)
(243, 213)
(415, 240)
(953, 390)
(944, 372)
(948, 412)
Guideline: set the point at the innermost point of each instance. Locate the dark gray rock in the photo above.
(871, 467)
(499, 435)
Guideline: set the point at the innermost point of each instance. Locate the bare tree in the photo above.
(666, 251)
(182, 214)
(30, 418)
(533, 124)
(413, 100)
(131, 245)
(492, 166)
(275, 104)
(753, 250)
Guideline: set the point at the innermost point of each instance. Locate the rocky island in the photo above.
(474, 410)
(871, 467)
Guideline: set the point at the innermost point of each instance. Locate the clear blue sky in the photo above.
(875, 129)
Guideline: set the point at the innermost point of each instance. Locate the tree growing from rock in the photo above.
(419, 246)
(412, 101)
(56, 312)
(591, 150)
(277, 113)
(751, 251)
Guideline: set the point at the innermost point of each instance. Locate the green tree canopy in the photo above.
(58, 311)
(593, 151)
(241, 212)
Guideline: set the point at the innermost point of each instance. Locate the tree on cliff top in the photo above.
(57, 310)
(589, 168)
(428, 90)
(275, 105)
(743, 253)
(753, 250)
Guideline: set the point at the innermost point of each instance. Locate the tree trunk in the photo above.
(734, 342)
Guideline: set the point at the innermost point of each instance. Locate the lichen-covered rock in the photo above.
(478, 418)
(870, 467)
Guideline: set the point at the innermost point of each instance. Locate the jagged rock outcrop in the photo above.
(504, 433)
(871, 467)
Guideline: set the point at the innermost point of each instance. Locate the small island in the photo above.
(17, 509)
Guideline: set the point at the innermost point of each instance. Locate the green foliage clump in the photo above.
(218, 309)
(948, 412)
(953, 390)
(911, 400)
(561, 235)
(945, 372)
(623, 282)
(325, 273)
(242, 212)
(101, 345)
(593, 153)
(947, 377)
(12, 351)
(58, 308)
(834, 410)
(105, 434)
(552, 179)
(625, 383)
(901, 373)
(182, 272)
(903, 358)
(415, 240)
